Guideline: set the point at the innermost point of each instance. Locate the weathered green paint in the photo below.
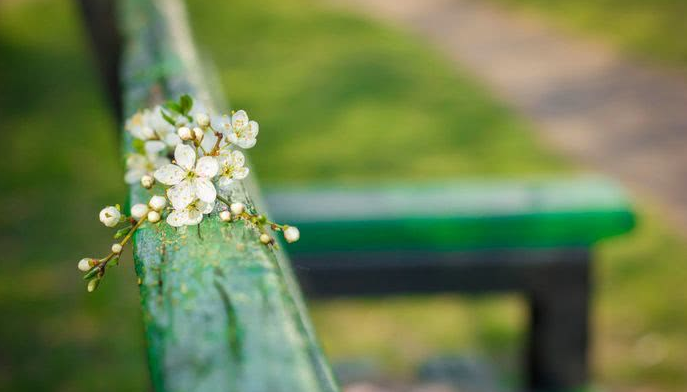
(222, 312)
(454, 216)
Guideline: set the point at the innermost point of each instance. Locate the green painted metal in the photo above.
(454, 216)
(221, 311)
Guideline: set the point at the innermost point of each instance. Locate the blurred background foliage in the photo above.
(339, 98)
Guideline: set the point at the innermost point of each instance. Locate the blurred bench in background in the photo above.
(534, 238)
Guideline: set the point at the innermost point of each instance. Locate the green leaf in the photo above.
(113, 262)
(91, 273)
(185, 103)
(167, 118)
(122, 232)
(173, 106)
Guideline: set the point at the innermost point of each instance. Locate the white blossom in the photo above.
(185, 133)
(231, 167)
(238, 129)
(116, 248)
(191, 214)
(225, 216)
(265, 239)
(189, 179)
(138, 211)
(157, 203)
(198, 134)
(147, 181)
(151, 127)
(292, 234)
(139, 165)
(202, 119)
(237, 208)
(138, 125)
(110, 216)
(153, 216)
(163, 130)
(85, 265)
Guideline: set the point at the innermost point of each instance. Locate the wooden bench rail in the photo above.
(221, 311)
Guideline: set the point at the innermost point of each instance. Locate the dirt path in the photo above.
(625, 119)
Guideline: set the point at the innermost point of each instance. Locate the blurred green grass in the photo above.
(339, 98)
(651, 30)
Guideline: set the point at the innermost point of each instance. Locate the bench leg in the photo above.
(559, 329)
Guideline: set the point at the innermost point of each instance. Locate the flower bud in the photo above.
(153, 216)
(110, 216)
(157, 203)
(138, 211)
(85, 265)
(203, 120)
(237, 208)
(198, 134)
(147, 181)
(225, 216)
(93, 284)
(291, 234)
(185, 133)
(265, 239)
(116, 248)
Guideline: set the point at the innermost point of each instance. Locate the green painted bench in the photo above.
(532, 237)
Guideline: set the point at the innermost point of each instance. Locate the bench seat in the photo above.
(453, 216)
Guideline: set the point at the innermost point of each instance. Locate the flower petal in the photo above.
(239, 119)
(240, 173)
(193, 217)
(224, 183)
(137, 161)
(181, 195)
(185, 156)
(153, 147)
(225, 159)
(177, 218)
(233, 139)
(204, 189)
(245, 142)
(170, 174)
(239, 158)
(205, 208)
(253, 128)
(172, 139)
(221, 123)
(207, 167)
(158, 162)
(134, 175)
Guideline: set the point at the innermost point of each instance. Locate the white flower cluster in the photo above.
(188, 159)
(205, 155)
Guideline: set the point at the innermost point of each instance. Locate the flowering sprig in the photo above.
(188, 160)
